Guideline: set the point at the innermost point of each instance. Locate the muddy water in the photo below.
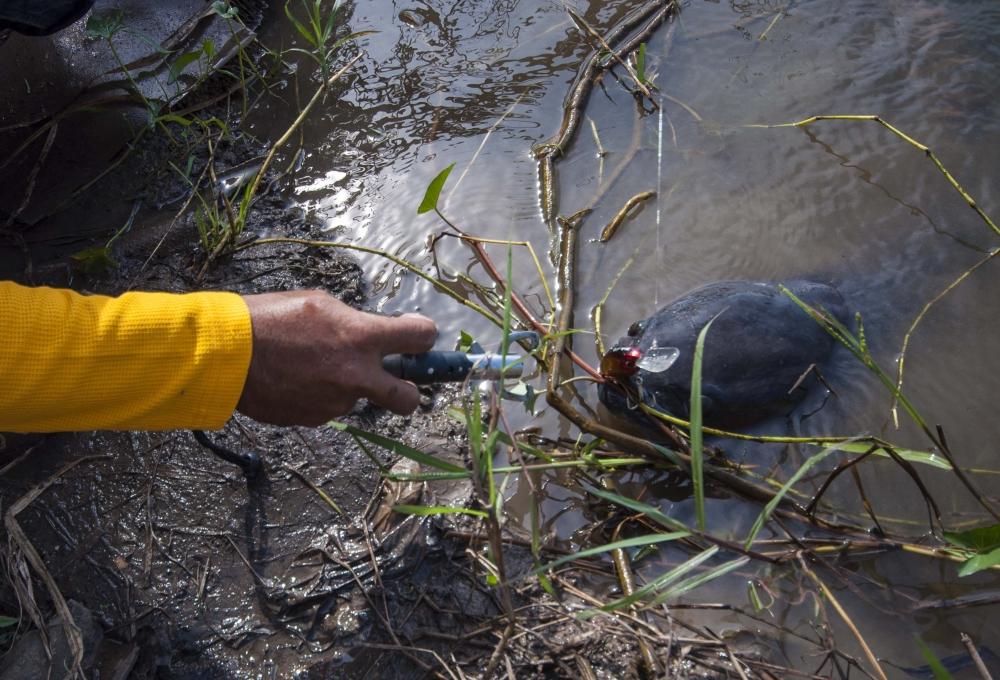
(477, 84)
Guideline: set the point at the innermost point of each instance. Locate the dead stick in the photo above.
(614, 55)
(17, 534)
(976, 659)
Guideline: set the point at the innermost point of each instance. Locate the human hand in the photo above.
(314, 357)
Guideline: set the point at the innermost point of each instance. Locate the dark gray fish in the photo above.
(757, 350)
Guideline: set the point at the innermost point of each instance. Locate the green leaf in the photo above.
(95, 260)
(980, 562)
(648, 510)
(351, 37)
(937, 668)
(489, 451)
(981, 539)
(695, 581)
(7, 621)
(104, 25)
(546, 585)
(524, 393)
(425, 510)
(434, 191)
(475, 425)
(302, 30)
(426, 476)
(330, 18)
(640, 63)
(754, 597)
(654, 585)
(181, 63)
(180, 120)
(697, 449)
(464, 342)
(649, 539)
(397, 447)
(765, 514)
(224, 9)
(910, 455)
(671, 456)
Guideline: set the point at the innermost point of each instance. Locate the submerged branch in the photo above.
(909, 140)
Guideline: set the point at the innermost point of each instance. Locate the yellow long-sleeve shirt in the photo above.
(141, 361)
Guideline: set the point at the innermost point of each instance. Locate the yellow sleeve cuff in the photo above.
(141, 361)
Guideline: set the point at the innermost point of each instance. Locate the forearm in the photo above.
(140, 361)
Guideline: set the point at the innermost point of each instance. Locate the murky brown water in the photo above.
(478, 84)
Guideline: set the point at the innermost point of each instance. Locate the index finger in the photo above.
(409, 333)
(399, 396)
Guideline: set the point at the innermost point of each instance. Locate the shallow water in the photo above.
(477, 84)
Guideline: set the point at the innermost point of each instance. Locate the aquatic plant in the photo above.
(318, 31)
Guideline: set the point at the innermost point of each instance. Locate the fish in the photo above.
(757, 361)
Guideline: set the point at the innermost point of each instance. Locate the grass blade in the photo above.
(980, 563)
(348, 38)
(980, 539)
(397, 447)
(911, 455)
(933, 663)
(695, 581)
(648, 510)
(659, 582)
(648, 539)
(697, 446)
(427, 510)
(765, 514)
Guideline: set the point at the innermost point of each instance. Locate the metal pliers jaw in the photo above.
(439, 366)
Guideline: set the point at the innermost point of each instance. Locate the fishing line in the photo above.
(659, 199)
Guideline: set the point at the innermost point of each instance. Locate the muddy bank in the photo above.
(188, 569)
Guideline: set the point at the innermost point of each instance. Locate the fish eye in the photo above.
(636, 329)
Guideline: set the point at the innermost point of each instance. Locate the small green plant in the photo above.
(106, 27)
(212, 225)
(99, 260)
(697, 448)
(203, 56)
(319, 31)
(979, 547)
